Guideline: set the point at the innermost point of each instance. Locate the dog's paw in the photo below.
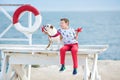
(47, 48)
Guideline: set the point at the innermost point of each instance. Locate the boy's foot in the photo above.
(74, 71)
(62, 68)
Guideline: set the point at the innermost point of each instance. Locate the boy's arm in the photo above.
(76, 37)
(77, 32)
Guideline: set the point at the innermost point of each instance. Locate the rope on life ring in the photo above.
(34, 27)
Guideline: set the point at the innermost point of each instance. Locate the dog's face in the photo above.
(49, 29)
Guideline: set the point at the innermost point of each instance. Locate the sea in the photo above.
(99, 28)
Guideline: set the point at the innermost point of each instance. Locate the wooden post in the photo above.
(12, 4)
(9, 72)
(94, 67)
(3, 67)
(30, 41)
(86, 68)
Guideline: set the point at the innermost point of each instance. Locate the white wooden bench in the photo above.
(14, 54)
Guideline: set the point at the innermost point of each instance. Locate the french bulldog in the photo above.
(53, 34)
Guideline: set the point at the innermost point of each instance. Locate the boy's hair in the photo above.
(65, 20)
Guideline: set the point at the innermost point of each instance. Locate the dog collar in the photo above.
(43, 29)
(57, 34)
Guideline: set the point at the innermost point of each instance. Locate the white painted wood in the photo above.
(30, 42)
(32, 59)
(83, 49)
(42, 59)
(2, 56)
(6, 30)
(3, 68)
(86, 69)
(12, 5)
(9, 73)
(12, 39)
(2, 63)
(54, 46)
(6, 13)
(97, 76)
(93, 73)
(49, 56)
(47, 60)
(0, 76)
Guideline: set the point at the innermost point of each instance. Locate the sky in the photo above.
(68, 5)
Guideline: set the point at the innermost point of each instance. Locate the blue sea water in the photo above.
(102, 27)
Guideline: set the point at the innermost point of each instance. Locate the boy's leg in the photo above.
(63, 52)
(74, 51)
(62, 56)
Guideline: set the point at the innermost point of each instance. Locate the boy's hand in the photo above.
(77, 31)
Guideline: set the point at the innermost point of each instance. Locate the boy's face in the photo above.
(63, 25)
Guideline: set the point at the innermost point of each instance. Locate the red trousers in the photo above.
(69, 47)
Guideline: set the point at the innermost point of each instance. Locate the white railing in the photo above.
(6, 13)
(29, 37)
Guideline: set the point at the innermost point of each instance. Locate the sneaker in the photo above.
(74, 71)
(62, 68)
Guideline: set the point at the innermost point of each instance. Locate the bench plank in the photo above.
(83, 49)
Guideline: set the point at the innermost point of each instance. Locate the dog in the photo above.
(53, 34)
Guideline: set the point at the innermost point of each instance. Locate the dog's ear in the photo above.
(51, 27)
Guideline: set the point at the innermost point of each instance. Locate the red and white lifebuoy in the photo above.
(35, 26)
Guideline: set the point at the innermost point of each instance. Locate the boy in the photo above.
(69, 37)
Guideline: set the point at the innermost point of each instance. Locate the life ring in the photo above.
(34, 27)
